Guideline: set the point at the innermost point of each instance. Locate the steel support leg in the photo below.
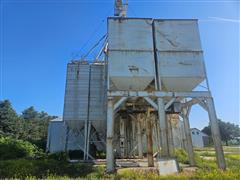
(188, 137)
(216, 134)
(163, 128)
(85, 140)
(110, 131)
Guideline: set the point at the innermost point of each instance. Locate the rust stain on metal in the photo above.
(133, 68)
(185, 64)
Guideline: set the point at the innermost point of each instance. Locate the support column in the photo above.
(88, 139)
(85, 139)
(139, 138)
(163, 128)
(188, 137)
(183, 136)
(216, 134)
(149, 141)
(110, 131)
(133, 137)
(122, 137)
(170, 136)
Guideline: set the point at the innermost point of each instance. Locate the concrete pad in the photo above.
(167, 166)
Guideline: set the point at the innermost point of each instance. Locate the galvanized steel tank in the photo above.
(137, 45)
(179, 54)
(76, 94)
(130, 53)
(85, 95)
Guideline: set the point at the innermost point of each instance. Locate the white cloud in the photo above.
(225, 19)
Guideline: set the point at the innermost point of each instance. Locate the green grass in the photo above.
(22, 168)
(55, 169)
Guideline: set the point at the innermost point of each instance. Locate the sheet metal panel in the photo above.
(131, 70)
(97, 101)
(56, 136)
(130, 56)
(179, 54)
(76, 93)
(181, 71)
(130, 34)
(177, 35)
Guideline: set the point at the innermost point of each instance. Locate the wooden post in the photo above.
(149, 140)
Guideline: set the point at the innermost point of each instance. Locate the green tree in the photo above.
(228, 131)
(30, 114)
(31, 125)
(36, 126)
(9, 120)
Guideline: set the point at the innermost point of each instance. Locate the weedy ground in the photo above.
(53, 169)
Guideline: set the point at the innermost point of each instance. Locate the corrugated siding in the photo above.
(56, 136)
(76, 93)
(78, 99)
(96, 106)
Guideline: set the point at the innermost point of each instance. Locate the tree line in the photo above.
(30, 125)
(228, 132)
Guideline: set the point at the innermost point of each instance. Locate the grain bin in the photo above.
(179, 54)
(130, 53)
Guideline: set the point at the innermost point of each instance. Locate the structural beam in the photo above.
(190, 103)
(119, 102)
(110, 131)
(139, 138)
(163, 128)
(203, 105)
(216, 134)
(188, 136)
(169, 103)
(149, 141)
(133, 137)
(122, 142)
(151, 102)
(170, 136)
(196, 94)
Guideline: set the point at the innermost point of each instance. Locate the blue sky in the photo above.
(38, 38)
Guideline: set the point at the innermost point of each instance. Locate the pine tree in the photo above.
(9, 120)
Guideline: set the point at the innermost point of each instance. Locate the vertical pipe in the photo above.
(85, 140)
(188, 137)
(149, 141)
(157, 74)
(216, 134)
(88, 139)
(163, 128)
(110, 125)
(139, 136)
